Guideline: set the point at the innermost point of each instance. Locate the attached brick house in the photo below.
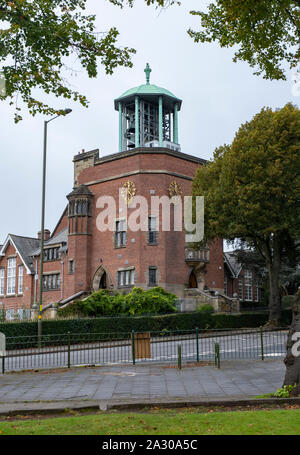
(244, 283)
(79, 257)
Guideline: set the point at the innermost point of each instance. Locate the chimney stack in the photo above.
(46, 235)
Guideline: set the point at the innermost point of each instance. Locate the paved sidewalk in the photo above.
(239, 379)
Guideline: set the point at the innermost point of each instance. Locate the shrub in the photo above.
(285, 391)
(138, 301)
(206, 308)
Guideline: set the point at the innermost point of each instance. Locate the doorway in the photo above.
(103, 282)
(101, 279)
(193, 280)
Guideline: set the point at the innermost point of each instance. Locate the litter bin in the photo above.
(142, 345)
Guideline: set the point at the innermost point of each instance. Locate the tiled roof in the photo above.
(61, 237)
(25, 245)
(81, 190)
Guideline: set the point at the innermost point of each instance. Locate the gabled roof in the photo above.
(65, 212)
(24, 247)
(234, 266)
(61, 237)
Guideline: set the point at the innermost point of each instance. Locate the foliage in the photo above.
(285, 391)
(159, 323)
(252, 190)
(38, 37)
(265, 32)
(287, 301)
(138, 301)
(289, 276)
(290, 271)
(206, 308)
(2, 313)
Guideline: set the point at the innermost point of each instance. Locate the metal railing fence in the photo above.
(71, 349)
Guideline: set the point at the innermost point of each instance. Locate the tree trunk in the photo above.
(274, 298)
(273, 257)
(292, 359)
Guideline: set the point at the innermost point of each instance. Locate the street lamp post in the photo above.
(66, 111)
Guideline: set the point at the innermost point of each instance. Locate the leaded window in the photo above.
(11, 276)
(120, 234)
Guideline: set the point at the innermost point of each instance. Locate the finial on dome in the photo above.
(147, 71)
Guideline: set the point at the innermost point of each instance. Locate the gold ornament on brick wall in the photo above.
(175, 192)
(128, 191)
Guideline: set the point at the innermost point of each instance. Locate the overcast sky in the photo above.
(218, 95)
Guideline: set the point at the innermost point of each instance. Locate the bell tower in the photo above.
(148, 117)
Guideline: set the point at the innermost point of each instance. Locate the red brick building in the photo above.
(244, 283)
(79, 256)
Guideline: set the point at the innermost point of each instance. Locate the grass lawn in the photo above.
(188, 421)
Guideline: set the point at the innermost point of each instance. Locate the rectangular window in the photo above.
(241, 293)
(51, 254)
(248, 285)
(152, 276)
(126, 277)
(152, 230)
(225, 285)
(11, 276)
(120, 233)
(20, 279)
(2, 273)
(51, 282)
(121, 278)
(256, 292)
(71, 266)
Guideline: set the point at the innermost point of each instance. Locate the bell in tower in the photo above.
(148, 117)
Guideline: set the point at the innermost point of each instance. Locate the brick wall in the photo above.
(17, 301)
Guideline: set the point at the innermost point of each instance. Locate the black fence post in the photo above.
(69, 350)
(3, 364)
(217, 355)
(179, 355)
(262, 343)
(197, 343)
(133, 347)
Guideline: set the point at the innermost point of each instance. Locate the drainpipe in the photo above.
(62, 280)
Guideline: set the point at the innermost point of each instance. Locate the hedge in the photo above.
(179, 321)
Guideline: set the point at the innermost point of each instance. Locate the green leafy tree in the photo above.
(252, 191)
(36, 39)
(289, 277)
(265, 32)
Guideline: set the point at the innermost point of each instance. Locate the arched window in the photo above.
(83, 207)
(79, 205)
(71, 208)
